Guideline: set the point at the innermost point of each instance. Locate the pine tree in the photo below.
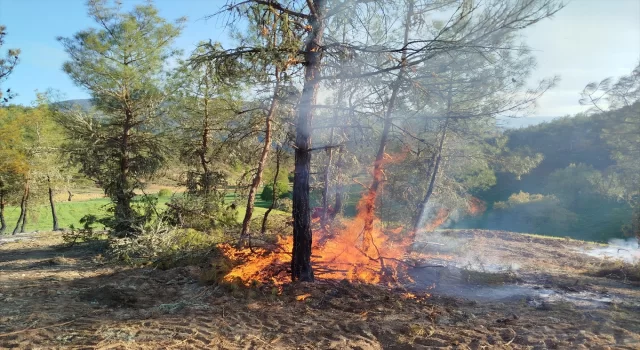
(121, 63)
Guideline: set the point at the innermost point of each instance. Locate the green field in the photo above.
(70, 213)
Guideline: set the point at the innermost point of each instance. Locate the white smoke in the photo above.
(618, 249)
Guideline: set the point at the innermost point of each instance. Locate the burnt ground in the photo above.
(54, 298)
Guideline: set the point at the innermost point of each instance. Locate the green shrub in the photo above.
(200, 213)
(285, 204)
(164, 193)
(164, 246)
(85, 234)
(282, 190)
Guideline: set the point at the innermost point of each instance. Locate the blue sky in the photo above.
(33, 25)
(586, 41)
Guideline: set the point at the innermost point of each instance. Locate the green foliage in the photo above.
(632, 229)
(6, 66)
(522, 198)
(164, 246)
(285, 204)
(534, 213)
(164, 193)
(589, 164)
(85, 234)
(200, 213)
(575, 185)
(121, 64)
(282, 191)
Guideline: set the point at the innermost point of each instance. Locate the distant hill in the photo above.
(82, 103)
(523, 122)
(567, 202)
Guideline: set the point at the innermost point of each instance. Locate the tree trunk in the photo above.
(70, 196)
(23, 208)
(302, 236)
(434, 167)
(378, 175)
(327, 178)
(25, 217)
(257, 179)
(53, 206)
(3, 223)
(274, 200)
(326, 214)
(433, 174)
(123, 211)
(204, 147)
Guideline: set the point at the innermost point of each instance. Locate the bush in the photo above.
(164, 246)
(164, 193)
(200, 214)
(85, 234)
(632, 228)
(534, 213)
(282, 190)
(285, 204)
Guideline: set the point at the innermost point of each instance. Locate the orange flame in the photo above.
(359, 251)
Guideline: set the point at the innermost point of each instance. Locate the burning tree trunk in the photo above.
(378, 175)
(53, 207)
(302, 236)
(274, 200)
(263, 160)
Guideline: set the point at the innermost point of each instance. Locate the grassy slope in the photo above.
(39, 217)
(70, 213)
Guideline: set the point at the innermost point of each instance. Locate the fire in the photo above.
(360, 250)
(259, 264)
(344, 256)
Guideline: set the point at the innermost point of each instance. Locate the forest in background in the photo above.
(404, 127)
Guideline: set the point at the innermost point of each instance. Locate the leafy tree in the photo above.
(621, 131)
(381, 56)
(14, 166)
(6, 66)
(281, 191)
(609, 95)
(121, 63)
(204, 110)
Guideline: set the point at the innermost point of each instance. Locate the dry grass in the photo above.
(488, 278)
(73, 302)
(617, 269)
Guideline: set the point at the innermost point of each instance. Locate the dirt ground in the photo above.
(57, 298)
